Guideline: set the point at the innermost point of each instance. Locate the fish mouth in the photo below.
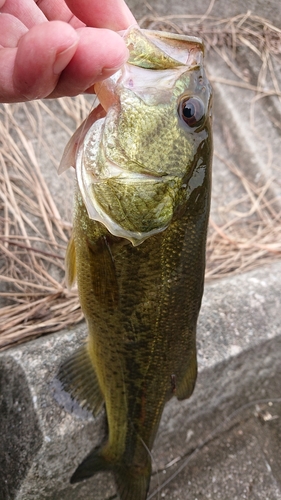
(156, 61)
(151, 49)
(163, 56)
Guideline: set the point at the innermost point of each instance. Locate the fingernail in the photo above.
(110, 71)
(63, 58)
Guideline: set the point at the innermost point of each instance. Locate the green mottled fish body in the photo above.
(138, 249)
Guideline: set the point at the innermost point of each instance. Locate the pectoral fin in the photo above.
(70, 263)
(77, 383)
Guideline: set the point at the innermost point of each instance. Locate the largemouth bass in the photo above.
(138, 247)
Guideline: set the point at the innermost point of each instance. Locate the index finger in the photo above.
(112, 14)
(27, 12)
(57, 9)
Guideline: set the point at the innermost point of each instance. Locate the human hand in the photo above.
(54, 48)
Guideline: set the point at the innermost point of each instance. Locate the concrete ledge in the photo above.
(239, 341)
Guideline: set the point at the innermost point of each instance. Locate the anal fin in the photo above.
(185, 387)
(76, 384)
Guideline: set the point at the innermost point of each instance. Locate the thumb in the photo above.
(33, 68)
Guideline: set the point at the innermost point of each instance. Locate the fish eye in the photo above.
(192, 111)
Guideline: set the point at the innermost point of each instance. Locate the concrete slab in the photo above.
(232, 466)
(239, 357)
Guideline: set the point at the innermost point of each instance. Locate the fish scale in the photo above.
(138, 250)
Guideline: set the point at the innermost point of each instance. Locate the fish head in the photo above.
(135, 161)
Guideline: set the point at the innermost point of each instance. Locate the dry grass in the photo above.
(252, 234)
(34, 234)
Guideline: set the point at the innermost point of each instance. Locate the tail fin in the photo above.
(92, 464)
(132, 482)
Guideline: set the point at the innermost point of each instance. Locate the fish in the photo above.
(137, 251)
